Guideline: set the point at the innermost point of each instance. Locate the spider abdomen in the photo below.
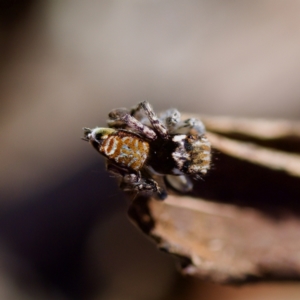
(126, 149)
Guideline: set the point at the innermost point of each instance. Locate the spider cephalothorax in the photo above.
(140, 145)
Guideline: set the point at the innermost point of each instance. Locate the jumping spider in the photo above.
(139, 146)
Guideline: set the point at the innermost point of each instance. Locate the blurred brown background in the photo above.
(64, 65)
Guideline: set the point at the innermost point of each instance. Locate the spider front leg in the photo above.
(156, 123)
(121, 116)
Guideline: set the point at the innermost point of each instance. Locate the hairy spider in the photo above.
(139, 145)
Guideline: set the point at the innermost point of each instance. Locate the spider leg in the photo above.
(121, 116)
(114, 121)
(145, 186)
(128, 180)
(156, 123)
(137, 113)
(171, 118)
(181, 183)
(191, 126)
(134, 182)
(116, 170)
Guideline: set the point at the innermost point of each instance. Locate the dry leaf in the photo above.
(241, 221)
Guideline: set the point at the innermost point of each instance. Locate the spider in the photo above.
(140, 146)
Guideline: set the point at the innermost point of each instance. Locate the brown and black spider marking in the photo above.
(140, 145)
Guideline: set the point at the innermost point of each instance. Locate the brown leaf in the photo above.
(242, 220)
